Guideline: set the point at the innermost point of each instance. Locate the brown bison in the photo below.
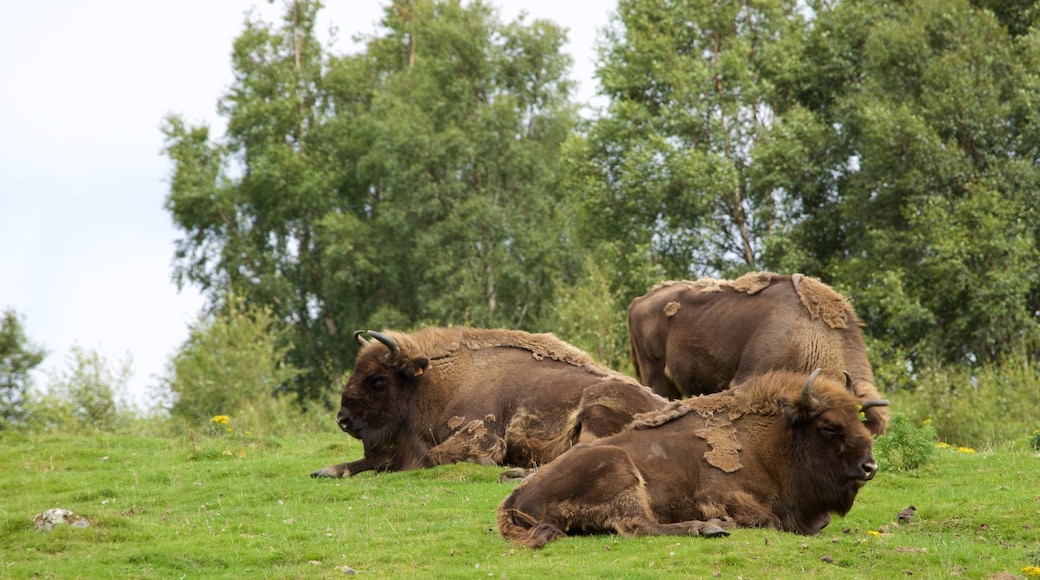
(780, 451)
(695, 338)
(496, 397)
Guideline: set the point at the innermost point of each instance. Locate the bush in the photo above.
(90, 393)
(233, 364)
(977, 406)
(904, 447)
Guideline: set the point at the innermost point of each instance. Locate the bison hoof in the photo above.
(714, 532)
(326, 472)
(513, 474)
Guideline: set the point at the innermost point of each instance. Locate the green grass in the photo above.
(213, 506)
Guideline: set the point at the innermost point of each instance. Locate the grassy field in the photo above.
(232, 505)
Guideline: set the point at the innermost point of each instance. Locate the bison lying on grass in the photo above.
(496, 397)
(694, 338)
(780, 451)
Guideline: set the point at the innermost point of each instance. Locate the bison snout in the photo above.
(343, 422)
(868, 469)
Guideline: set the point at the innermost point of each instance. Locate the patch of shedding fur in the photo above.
(819, 299)
(721, 436)
(671, 308)
(822, 302)
(753, 282)
(470, 443)
(442, 346)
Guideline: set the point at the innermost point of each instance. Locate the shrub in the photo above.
(233, 364)
(905, 447)
(979, 406)
(91, 392)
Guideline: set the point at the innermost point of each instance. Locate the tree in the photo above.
(231, 363)
(691, 95)
(415, 183)
(917, 172)
(18, 357)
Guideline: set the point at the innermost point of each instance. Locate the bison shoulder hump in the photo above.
(822, 302)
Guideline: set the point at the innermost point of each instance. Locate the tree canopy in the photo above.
(415, 183)
(18, 357)
(442, 176)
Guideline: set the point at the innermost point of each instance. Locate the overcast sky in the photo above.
(86, 247)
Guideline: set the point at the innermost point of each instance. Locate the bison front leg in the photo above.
(347, 469)
(641, 526)
(472, 442)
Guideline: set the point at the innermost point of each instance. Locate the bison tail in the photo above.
(520, 528)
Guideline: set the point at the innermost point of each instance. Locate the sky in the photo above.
(86, 247)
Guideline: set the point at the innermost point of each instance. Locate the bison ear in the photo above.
(416, 367)
(794, 412)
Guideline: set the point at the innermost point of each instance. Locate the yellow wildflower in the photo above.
(1031, 571)
(927, 421)
(965, 450)
(220, 420)
(874, 533)
(942, 445)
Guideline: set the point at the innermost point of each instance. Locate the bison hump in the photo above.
(821, 301)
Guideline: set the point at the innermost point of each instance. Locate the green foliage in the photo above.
(417, 182)
(691, 96)
(171, 507)
(18, 357)
(591, 316)
(920, 201)
(978, 405)
(89, 393)
(1034, 440)
(234, 364)
(905, 447)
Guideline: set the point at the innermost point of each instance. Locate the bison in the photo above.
(693, 338)
(490, 396)
(780, 451)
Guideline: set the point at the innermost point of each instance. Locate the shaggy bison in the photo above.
(780, 451)
(497, 397)
(693, 338)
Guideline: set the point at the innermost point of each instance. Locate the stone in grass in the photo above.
(45, 521)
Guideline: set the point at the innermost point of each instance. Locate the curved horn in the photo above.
(848, 382)
(808, 401)
(873, 403)
(359, 337)
(395, 349)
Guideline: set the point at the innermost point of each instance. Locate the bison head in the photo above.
(380, 395)
(831, 445)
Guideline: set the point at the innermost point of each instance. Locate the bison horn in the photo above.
(873, 403)
(395, 349)
(808, 401)
(359, 337)
(848, 382)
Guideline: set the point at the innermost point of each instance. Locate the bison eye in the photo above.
(376, 383)
(831, 430)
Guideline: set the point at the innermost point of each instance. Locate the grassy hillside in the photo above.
(224, 504)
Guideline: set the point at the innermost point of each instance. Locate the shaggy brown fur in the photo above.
(759, 455)
(489, 396)
(693, 338)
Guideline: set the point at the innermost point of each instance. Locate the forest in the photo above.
(445, 175)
